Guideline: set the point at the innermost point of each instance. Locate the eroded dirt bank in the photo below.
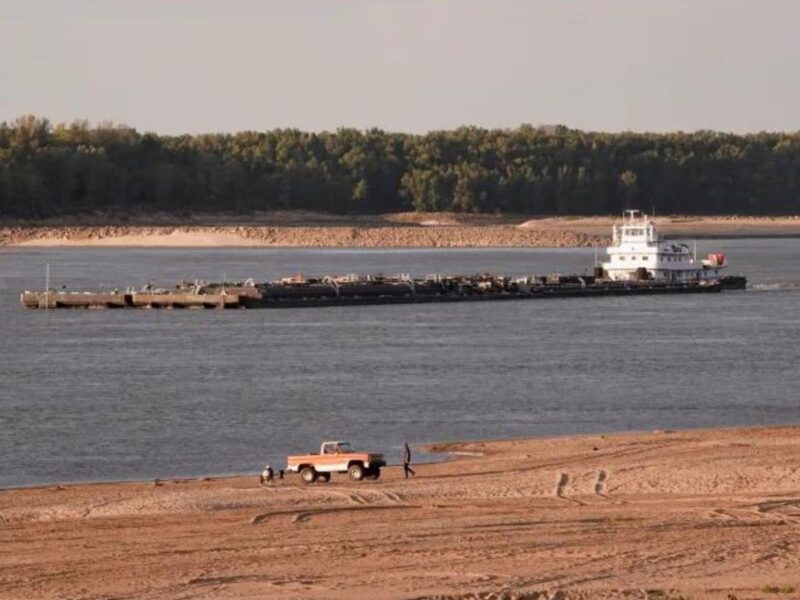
(696, 514)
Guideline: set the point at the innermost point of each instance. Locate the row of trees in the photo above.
(48, 170)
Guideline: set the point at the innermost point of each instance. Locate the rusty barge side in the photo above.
(127, 300)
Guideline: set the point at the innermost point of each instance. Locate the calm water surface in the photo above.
(95, 395)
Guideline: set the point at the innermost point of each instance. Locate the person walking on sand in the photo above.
(267, 475)
(407, 461)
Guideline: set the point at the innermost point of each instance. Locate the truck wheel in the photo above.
(324, 477)
(374, 473)
(356, 472)
(308, 474)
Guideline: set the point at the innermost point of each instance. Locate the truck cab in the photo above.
(336, 457)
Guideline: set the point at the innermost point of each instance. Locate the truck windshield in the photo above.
(337, 448)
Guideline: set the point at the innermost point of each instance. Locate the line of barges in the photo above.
(640, 263)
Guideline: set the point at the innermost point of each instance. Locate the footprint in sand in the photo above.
(600, 484)
(563, 480)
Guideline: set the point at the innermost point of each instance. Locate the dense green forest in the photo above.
(53, 170)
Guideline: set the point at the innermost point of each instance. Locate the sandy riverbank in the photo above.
(404, 230)
(696, 514)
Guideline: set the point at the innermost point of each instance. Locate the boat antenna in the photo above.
(47, 286)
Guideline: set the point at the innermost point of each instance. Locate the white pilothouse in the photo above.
(638, 252)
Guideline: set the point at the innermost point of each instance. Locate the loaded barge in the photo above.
(640, 263)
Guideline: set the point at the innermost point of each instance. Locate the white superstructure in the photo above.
(637, 252)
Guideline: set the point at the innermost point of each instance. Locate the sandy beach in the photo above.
(690, 514)
(401, 230)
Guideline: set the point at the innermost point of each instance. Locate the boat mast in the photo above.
(47, 286)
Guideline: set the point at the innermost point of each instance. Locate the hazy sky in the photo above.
(176, 66)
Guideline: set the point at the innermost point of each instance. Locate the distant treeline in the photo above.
(48, 170)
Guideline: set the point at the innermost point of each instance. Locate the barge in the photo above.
(640, 263)
(271, 295)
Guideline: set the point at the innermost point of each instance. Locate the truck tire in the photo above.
(356, 472)
(308, 474)
(324, 477)
(374, 473)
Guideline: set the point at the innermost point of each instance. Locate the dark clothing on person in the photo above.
(407, 461)
(267, 475)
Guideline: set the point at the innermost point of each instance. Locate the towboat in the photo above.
(639, 253)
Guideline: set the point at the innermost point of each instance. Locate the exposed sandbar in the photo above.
(695, 514)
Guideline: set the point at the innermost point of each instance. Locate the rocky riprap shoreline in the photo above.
(358, 237)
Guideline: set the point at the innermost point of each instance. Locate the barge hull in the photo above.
(60, 300)
(551, 293)
(50, 300)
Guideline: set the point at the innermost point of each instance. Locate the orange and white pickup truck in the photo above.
(336, 457)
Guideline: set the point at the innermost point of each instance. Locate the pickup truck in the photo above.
(336, 457)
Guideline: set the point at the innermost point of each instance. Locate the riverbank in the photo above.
(297, 237)
(402, 230)
(690, 514)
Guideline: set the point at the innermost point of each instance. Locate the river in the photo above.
(114, 395)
